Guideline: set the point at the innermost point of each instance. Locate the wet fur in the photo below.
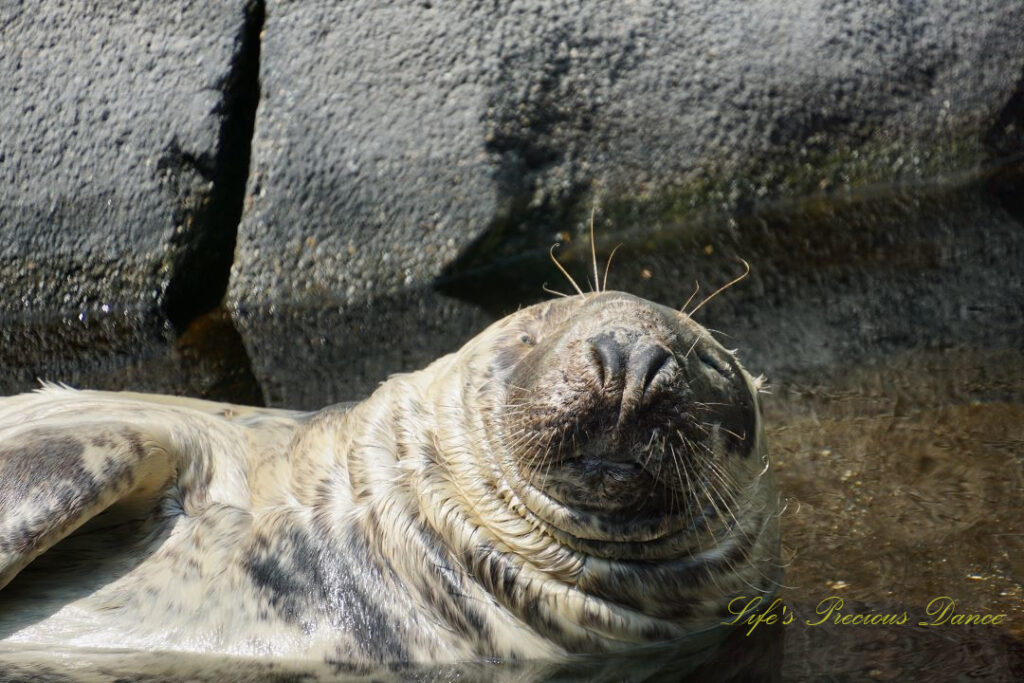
(415, 526)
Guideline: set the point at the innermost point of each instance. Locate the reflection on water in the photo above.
(889, 328)
(903, 480)
(739, 658)
(128, 351)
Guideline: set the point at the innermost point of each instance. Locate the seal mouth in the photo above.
(623, 421)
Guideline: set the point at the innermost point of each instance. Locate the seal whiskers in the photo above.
(585, 475)
(598, 555)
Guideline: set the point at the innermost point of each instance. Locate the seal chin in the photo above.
(625, 420)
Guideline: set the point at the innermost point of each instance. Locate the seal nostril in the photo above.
(609, 357)
(713, 363)
(646, 362)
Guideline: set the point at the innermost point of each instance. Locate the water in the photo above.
(889, 323)
(903, 479)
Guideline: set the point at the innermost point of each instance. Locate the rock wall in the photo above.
(358, 175)
(123, 153)
(396, 141)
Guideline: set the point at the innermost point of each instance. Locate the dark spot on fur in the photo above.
(430, 451)
(267, 570)
(653, 633)
(538, 617)
(312, 578)
(341, 666)
(116, 474)
(134, 441)
(499, 573)
(39, 460)
(47, 471)
(443, 589)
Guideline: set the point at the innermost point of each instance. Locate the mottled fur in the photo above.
(526, 497)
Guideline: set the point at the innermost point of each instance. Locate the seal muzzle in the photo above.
(627, 409)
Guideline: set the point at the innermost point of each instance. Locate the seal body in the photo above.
(586, 475)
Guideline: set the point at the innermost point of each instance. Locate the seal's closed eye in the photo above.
(573, 479)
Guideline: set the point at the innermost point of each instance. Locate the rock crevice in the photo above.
(203, 255)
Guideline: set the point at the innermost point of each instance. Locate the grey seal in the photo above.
(586, 475)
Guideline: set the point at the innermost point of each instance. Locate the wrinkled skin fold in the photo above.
(586, 475)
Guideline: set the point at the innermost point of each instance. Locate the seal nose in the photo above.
(609, 356)
(629, 366)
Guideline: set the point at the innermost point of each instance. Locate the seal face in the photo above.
(585, 475)
(628, 444)
(631, 420)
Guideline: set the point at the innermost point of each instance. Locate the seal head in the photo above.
(585, 475)
(622, 425)
(626, 446)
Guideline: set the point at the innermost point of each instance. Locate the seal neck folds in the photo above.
(596, 463)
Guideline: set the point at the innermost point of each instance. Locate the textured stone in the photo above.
(834, 283)
(413, 163)
(398, 141)
(311, 357)
(123, 153)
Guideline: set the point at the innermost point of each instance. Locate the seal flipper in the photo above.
(56, 477)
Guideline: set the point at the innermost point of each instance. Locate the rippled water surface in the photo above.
(903, 485)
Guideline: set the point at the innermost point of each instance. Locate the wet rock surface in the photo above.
(123, 154)
(395, 143)
(401, 147)
(902, 481)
